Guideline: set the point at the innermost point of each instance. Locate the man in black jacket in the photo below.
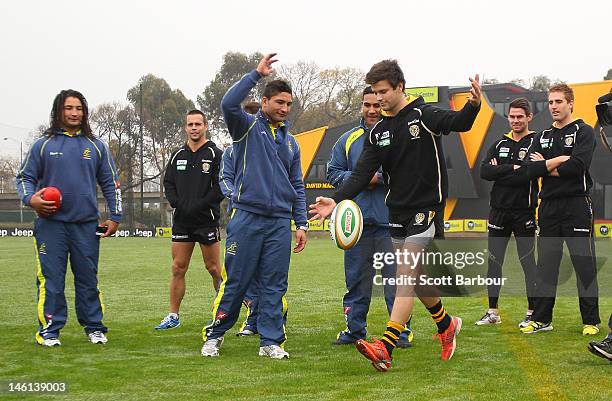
(407, 143)
(514, 198)
(562, 155)
(191, 183)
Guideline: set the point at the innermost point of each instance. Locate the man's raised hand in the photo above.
(475, 91)
(264, 68)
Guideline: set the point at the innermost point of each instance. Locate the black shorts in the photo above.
(503, 222)
(402, 226)
(202, 235)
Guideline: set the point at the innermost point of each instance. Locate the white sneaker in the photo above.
(97, 337)
(525, 321)
(489, 318)
(51, 342)
(211, 347)
(273, 351)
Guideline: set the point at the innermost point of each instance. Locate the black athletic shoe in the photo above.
(602, 349)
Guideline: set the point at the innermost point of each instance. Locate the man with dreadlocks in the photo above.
(68, 156)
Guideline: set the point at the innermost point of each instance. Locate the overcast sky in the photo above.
(102, 48)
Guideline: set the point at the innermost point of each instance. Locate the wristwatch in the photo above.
(305, 228)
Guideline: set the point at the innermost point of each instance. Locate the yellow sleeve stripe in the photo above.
(352, 138)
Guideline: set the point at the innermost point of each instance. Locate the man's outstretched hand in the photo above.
(322, 208)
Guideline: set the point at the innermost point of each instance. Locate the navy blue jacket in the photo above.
(344, 157)
(267, 165)
(75, 165)
(226, 175)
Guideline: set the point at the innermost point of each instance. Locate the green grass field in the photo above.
(491, 363)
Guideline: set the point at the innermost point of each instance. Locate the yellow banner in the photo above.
(477, 226)
(164, 232)
(429, 93)
(453, 226)
(603, 230)
(314, 225)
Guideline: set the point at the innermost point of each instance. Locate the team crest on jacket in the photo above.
(522, 154)
(205, 167)
(87, 154)
(569, 140)
(414, 131)
(419, 219)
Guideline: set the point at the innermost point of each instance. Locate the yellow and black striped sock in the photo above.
(392, 335)
(439, 315)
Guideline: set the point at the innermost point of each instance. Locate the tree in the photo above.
(118, 125)
(8, 171)
(307, 86)
(541, 83)
(608, 76)
(234, 66)
(322, 97)
(518, 81)
(164, 111)
(344, 88)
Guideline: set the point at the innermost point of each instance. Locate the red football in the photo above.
(52, 194)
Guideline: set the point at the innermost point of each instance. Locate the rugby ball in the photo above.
(346, 224)
(52, 194)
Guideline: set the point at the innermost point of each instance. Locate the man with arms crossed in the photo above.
(513, 201)
(562, 155)
(407, 143)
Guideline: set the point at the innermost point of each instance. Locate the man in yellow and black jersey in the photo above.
(191, 183)
(359, 270)
(513, 203)
(562, 155)
(407, 143)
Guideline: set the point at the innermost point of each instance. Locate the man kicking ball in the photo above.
(407, 143)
